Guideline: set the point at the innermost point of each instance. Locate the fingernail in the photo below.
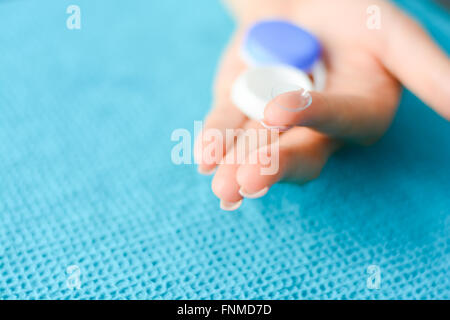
(280, 128)
(206, 172)
(304, 101)
(230, 206)
(254, 195)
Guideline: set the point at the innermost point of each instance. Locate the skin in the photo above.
(365, 70)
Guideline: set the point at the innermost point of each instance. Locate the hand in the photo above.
(365, 68)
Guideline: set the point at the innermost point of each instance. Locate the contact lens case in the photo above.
(281, 57)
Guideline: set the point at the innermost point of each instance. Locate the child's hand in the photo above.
(364, 70)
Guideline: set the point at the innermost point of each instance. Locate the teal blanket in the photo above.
(91, 206)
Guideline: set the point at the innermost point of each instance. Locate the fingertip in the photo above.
(287, 108)
(253, 183)
(224, 185)
(254, 195)
(206, 170)
(230, 206)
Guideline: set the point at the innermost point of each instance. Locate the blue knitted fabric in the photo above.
(86, 177)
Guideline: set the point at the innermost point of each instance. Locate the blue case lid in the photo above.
(281, 42)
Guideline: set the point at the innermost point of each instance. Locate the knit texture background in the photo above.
(86, 177)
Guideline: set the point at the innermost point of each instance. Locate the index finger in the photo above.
(224, 115)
